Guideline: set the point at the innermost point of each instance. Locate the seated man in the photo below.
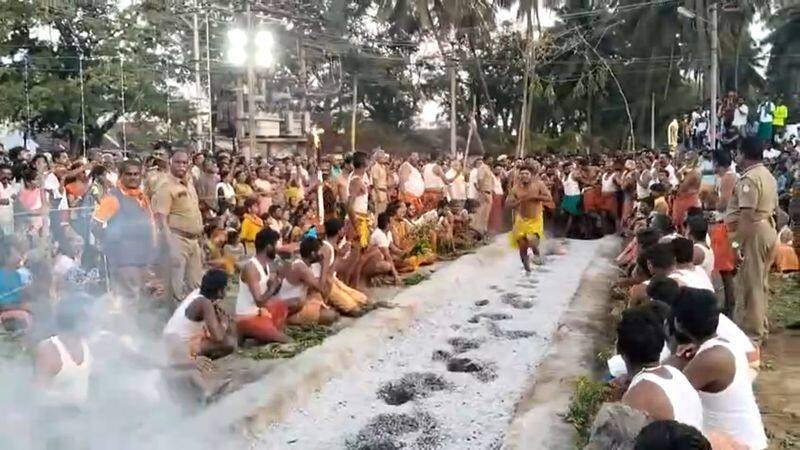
(687, 273)
(199, 327)
(345, 299)
(785, 257)
(15, 316)
(662, 392)
(716, 368)
(301, 282)
(380, 257)
(671, 434)
(259, 315)
(62, 370)
(667, 290)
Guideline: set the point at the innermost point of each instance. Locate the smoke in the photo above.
(131, 390)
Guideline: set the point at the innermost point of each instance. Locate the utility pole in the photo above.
(83, 104)
(198, 125)
(208, 86)
(714, 73)
(169, 110)
(122, 99)
(251, 88)
(452, 108)
(27, 108)
(652, 120)
(355, 113)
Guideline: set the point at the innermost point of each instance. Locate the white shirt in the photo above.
(52, 185)
(432, 181)
(571, 186)
(731, 332)
(708, 259)
(498, 186)
(6, 211)
(684, 399)
(227, 191)
(740, 115)
(70, 386)
(414, 184)
(457, 190)
(62, 264)
(380, 238)
(771, 153)
(734, 409)
(245, 303)
(472, 185)
(673, 179)
(765, 112)
(695, 277)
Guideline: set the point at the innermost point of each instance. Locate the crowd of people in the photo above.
(299, 241)
(775, 120)
(704, 235)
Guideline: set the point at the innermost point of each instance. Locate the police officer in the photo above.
(176, 211)
(752, 226)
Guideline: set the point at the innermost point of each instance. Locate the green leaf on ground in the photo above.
(302, 338)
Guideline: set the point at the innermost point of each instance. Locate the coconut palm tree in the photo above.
(783, 69)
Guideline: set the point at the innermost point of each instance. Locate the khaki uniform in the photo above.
(177, 200)
(485, 189)
(380, 186)
(756, 190)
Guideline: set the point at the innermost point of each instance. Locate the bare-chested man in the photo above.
(526, 198)
(358, 199)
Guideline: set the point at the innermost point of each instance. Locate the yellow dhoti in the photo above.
(310, 311)
(363, 227)
(346, 299)
(526, 229)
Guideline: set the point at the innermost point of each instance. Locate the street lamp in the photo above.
(237, 42)
(250, 48)
(712, 9)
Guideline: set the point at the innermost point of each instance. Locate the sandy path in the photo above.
(451, 379)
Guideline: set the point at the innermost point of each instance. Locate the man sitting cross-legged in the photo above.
(259, 315)
(301, 281)
(199, 326)
(662, 392)
(345, 299)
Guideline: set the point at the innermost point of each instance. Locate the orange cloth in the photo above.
(786, 259)
(680, 207)
(608, 203)
(109, 205)
(267, 325)
(410, 199)
(496, 214)
(592, 200)
(76, 189)
(430, 200)
(724, 257)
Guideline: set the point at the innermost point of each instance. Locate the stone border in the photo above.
(571, 354)
(250, 411)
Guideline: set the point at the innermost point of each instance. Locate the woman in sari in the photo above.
(242, 187)
(414, 250)
(33, 207)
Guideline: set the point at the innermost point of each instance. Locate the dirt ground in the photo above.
(778, 384)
